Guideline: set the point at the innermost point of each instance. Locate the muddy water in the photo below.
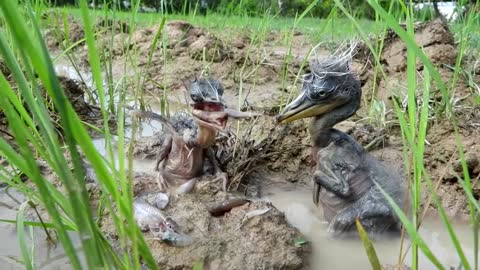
(296, 202)
(47, 256)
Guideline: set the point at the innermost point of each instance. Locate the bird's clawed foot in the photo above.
(223, 178)
(162, 183)
(342, 223)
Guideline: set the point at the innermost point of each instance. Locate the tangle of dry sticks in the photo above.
(240, 154)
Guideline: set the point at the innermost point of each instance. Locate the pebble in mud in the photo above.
(158, 199)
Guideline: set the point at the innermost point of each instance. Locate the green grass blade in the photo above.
(363, 35)
(448, 225)
(94, 61)
(369, 248)
(32, 223)
(412, 230)
(27, 160)
(153, 47)
(21, 237)
(410, 42)
(198, 266)
(412, 118)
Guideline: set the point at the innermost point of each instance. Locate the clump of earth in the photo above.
(251, 236)
(76, 94)
(438, 44)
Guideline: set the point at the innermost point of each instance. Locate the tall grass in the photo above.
(25, 54)
(414, 123)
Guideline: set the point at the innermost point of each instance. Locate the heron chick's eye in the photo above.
(317, 93)
(195, 98)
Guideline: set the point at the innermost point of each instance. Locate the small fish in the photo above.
(257, 212)
(225, 206)
(147, 215)
(176, 239)
(158, 199)
(252, 214)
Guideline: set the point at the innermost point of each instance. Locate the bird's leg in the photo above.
(164, 151)
(159, 165)
(371, 207)
(221, 176)
(332, 178)
(162, 183)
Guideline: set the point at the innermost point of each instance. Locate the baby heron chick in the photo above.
(345, 176)
(188, 139)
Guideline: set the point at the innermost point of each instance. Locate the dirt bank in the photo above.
(441, 154)
(255, 235)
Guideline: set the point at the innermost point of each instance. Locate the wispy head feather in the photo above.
(207, 87)
(337, 64)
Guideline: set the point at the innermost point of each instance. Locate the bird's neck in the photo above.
(206, 136)
(321, 127)
(320, 134)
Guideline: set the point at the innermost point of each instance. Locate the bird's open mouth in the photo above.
(210, 114)
(208, 106)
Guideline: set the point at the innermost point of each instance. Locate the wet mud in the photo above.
(251, 235)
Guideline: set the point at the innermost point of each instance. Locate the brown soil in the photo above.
(232, 241)
(4, 69)
(75, 93)
(438, 44)
(191, 51)
(56, 38)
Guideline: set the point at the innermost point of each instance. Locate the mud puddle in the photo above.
(47, 256)
(296, 202)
